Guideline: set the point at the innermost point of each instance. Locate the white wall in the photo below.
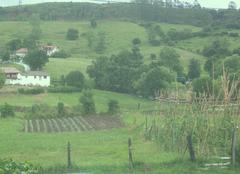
(29, 81)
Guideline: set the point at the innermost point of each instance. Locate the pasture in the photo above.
(99, 143)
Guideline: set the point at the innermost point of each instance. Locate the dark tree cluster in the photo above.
(144, 10)
(126, 73)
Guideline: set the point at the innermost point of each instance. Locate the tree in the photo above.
(36, 59)
(101, 43)
(76, 79)
(136, 41)
(232, 5)
(170, 58)
(155, 80)
(218, 49)
(5, 55)
(29, 43)
(2, 79)
(118, 72)
(35, 22)
(72, 34)
(194, 69)
(196, 4)
(232, 64)
(113, 107)
(7, 111)
(203, 86)
(60, 109)
(88, 104)
(93, 23)
(14, 44)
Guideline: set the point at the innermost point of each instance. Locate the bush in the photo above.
(233, 34)
(88, 104)
(63, 89)
(61, 54)
(10, 167)
(203, 86)
(33, 91)
(155, 42)
(113, 107)
(7, 111)
(72, 34)
(76, 79)
(136, 41)
(60, 109)
(41, 111)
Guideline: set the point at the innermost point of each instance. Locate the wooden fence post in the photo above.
(190, 148)
(233, 149)
(69, 164)
(130, 156)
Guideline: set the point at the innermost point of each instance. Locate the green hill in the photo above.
(119, 36)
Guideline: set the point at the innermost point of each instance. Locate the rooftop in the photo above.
(22, 50)
(10, 70)
(35, 73)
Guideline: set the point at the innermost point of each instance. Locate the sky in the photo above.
(204, 3)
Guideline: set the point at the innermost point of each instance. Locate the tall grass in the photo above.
(210, 119)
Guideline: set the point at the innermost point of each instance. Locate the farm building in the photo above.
(49, 49)
(21, 53)
(30, 78)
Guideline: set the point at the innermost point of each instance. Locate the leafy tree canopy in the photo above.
(36, 59)
(76, 79)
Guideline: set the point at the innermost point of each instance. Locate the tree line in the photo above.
(156, 10)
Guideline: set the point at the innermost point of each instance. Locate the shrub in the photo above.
(41, 111)
(76, 79)
(113, 107)
(203, 86)
(136, 41)
(233, 34)
(33, 91)
(60, 109)
(10, 167)
(93, 23)
(61, 54)
(155, 42)
(72, 34)
(88, 104)
(7, 111)
(63, 89)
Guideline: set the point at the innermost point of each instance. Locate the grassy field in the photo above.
(58, 67)
(95, 151)
(101, 98)
(98, 152)
(119, 36)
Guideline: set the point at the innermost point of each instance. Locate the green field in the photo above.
(119, 36)
(95, 151)
(101, 98)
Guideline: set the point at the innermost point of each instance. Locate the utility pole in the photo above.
(20, 2)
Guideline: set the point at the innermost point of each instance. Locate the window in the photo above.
(35, 77)
(44, 77)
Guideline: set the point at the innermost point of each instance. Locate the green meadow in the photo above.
(104, 151)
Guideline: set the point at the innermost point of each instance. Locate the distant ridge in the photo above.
(6, 3)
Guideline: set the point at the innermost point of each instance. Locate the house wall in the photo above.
(21, 55)
(30, 81)
(51, 52)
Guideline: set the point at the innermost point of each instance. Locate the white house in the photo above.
(49, 49)
(30, 78)
(22, 52)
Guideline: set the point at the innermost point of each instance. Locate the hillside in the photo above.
(119, 36)
(152, 86)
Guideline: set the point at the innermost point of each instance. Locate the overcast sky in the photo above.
(204, 3)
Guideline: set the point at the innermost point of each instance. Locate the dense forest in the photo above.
(145, 10)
